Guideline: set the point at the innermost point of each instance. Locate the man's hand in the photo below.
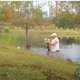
(48, 41)
(52, 43)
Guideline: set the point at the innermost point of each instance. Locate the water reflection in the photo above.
(70, 40)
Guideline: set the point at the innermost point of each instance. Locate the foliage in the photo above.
(65, 20)
(67, 14)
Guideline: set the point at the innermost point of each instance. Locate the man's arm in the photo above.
(52, 43)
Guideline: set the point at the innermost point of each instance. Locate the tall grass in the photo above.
(36, 37)
(14, 39)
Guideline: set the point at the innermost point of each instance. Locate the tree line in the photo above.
(30, 14)
(65, 14)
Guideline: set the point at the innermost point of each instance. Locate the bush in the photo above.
(65, 20)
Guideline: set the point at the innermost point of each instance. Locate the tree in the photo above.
(22, 14)
(27, 16)
(67, 14)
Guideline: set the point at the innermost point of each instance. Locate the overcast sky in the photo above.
(45, 7)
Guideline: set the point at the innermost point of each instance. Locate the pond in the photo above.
(69, 49)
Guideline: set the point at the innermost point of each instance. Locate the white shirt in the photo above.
(55, 47)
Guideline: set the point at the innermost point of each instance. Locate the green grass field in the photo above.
(24, 65)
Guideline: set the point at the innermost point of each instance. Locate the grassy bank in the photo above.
(24, 65)
(18, 37)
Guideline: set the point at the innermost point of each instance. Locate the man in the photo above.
(54, 43)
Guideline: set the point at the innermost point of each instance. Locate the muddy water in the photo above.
(69, 50)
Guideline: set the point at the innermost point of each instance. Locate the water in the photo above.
(39, 50)
(69, 52)
(69, 49)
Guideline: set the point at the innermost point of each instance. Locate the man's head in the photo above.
(54, 35)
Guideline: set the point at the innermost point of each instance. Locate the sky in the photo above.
(45, 8)
(40, 0)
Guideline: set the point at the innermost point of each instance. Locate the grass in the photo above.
(24, 65)
(18, 37)
(13, 38)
